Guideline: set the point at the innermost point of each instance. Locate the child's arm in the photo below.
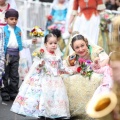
(100, 70)
(29, 43)
(64, 69)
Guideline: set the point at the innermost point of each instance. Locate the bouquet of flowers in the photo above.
(85, 68)
(39, 53)
(37, 32)
(106, 18)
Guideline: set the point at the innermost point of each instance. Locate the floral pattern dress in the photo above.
(43, 92)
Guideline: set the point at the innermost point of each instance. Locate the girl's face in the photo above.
(2, 2)
(51, 44)
(80, 48)
(61, 1)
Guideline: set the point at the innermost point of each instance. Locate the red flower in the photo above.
(33, 30)
(41, 50)
(49, 17)
(79, 69)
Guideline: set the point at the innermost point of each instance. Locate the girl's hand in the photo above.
(42, 64)
(96, 63)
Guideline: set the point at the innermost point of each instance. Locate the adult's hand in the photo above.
(70, 30)
(34, 41)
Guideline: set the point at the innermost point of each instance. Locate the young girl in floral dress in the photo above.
(43, 92)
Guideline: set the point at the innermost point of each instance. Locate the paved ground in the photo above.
(6, 114)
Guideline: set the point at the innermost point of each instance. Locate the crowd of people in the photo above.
(70, 69)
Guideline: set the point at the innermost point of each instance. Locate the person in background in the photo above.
(58, 13)
(118, 4)
(12, 46)
(26, 61)
(87, 19)
(4, 6)
(111, 5)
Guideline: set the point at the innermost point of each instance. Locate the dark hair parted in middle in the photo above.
(77, 36)
(48, 36)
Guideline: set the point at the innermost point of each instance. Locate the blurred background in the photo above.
(32, 13)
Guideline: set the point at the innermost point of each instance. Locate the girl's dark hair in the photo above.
(56, 32)
(77, 36)
(48, 36)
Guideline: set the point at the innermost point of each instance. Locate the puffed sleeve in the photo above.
(103, 55)
(99, 52)
(75, 7)
(100, 5)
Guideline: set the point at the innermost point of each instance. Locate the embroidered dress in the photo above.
(80, 89)
(43, 92)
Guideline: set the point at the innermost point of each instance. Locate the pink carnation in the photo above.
(81, 60)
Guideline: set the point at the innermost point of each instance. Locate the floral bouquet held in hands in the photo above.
(36, 32)
(85, 68)
(39, 53)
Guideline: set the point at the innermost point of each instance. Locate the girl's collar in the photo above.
(51, 52)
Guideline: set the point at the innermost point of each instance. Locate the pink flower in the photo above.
(81, 60)
(41, 50)
(106, 16)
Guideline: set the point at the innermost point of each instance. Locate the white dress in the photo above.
(43, 92)
(88, 28)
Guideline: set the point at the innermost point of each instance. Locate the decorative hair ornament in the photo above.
(75, 35)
